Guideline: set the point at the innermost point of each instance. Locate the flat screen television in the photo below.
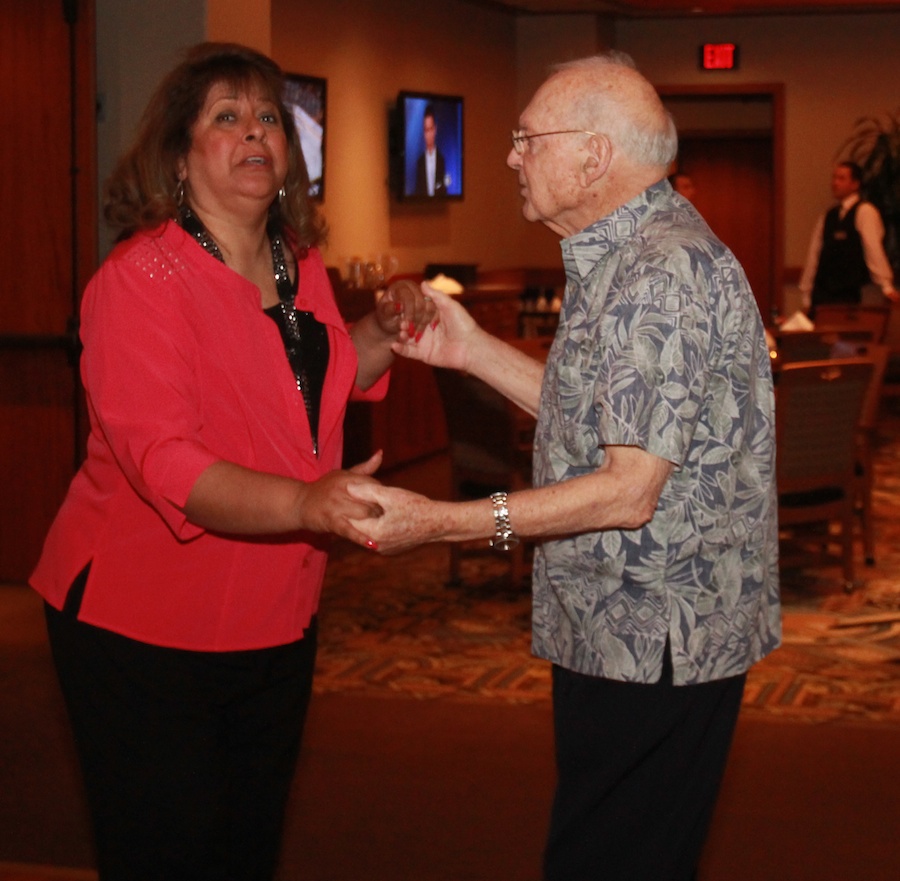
(305, 97)
(420, 120)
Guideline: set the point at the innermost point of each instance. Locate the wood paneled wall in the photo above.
(47, 190)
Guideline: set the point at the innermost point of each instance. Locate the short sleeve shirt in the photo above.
(660, 346)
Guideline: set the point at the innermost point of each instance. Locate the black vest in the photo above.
(842, 270)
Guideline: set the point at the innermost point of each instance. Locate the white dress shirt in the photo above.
(430, 165)
(871, 230)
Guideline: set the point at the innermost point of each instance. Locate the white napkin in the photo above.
(798, 321)
(445, 284)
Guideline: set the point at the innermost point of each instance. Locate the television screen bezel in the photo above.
(318, 86)
(410, 143)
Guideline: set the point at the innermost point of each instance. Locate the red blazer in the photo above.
(182, 368)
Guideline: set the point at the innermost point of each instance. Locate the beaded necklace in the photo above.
(305, 339)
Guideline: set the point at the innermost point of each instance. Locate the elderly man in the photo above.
(654, 505)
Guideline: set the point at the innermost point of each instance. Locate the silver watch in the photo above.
(504, 538)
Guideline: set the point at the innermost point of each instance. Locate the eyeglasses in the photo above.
(519, 137)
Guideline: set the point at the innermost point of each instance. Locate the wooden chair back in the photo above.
(817, 345)
(818, 406)
(878, 354)
(849, 317)
(490, 449)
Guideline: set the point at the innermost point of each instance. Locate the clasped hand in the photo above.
(400, 520)
(405, 311)
(336, 502)
(440, 334)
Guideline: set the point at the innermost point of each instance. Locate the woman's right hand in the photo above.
(232, 499)
(327, 505)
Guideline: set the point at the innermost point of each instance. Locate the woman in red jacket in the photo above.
(182, 573)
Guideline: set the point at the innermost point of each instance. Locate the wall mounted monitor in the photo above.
(427, 147)
(305, 97)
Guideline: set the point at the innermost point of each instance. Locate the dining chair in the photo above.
(848, 316)
(490, 451)
(804, 345)
(814, 345)
(878, 354)
(892, 341)
(818, 406)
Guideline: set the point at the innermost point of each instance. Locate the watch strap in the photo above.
(505, 538)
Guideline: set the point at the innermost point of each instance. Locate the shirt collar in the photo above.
(584, 250)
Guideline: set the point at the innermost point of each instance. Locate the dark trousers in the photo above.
(639, 768)
(187, 757)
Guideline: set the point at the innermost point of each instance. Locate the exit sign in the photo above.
(719, 56)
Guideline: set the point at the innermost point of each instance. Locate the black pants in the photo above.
(187, 757)
(639, 768)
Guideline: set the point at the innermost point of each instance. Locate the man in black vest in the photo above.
(846, 252)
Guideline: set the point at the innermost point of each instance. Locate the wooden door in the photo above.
(47, 194)
(734, 178)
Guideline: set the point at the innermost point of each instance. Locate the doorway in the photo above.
(733, 177)
(730, 144)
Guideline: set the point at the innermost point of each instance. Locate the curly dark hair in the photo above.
(140, 193)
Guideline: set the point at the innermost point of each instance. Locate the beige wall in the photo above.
(237, 21)
(367, 52)
(545, 40)
(541, 42)
(137, 43)
(372, 51)
(835, 69)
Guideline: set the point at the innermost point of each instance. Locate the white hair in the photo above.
(619, 102)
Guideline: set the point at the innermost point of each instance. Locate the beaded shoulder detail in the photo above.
(155, 257)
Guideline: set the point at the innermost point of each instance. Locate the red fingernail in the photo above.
(372, 545)
(419, 335)
(434, 324)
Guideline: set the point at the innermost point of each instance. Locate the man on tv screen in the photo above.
(431, 170)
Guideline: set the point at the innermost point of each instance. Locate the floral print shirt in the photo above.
(660, 345)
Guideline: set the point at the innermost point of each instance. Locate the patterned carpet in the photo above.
(391, 626)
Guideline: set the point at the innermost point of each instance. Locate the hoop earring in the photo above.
(282, 194)
(179, 193)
